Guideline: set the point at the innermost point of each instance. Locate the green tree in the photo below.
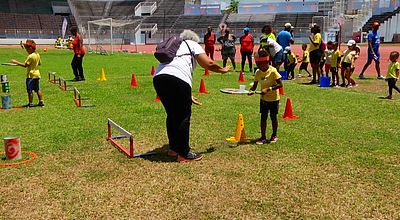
(233, 7)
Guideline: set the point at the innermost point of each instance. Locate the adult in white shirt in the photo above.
(173, 84)
(276, 52)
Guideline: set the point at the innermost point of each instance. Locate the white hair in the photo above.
(190, 35)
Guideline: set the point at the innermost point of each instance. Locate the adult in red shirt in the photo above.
(79, 53)
(246, 48)
(209, 42)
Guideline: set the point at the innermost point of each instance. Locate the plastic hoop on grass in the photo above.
(33, 156)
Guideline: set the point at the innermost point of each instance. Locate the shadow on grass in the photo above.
(160, 154)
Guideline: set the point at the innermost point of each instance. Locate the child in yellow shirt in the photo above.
(304, 61)
(347, 64)
(31, 64)
(393, 73)
(270, 81)
(336, 55)
(292, 62)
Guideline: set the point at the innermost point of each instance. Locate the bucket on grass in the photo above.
(3, 78)
(12, 147)
(324, 81)
(283, 73)
(5, 86)
(6, 102)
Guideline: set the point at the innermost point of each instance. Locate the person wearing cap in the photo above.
(209, 42)
(31, 64)
(285, 37)
(246, 48)
(79, 53)
(373, 51)
(315, 52)
(275, 51)
(349, 57)
(270, 81)
(228, 47)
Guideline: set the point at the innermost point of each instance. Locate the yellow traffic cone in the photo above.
(240, 135)
(102, 75)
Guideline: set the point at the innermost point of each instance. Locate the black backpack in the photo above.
(166, 50)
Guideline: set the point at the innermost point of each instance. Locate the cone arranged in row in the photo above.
(133, 81)
(281, 91)
(153, 71)
(202, 89)
(241, 77)
(240, 134)
(157, 99)
(206, 72)
(289, 111)
(102, 75)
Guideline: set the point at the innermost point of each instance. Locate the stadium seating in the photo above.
(380, 18)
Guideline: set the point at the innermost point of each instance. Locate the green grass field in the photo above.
(339, 160)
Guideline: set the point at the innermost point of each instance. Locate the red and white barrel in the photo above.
(12, 147)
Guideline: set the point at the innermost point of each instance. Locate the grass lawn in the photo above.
(340, 159)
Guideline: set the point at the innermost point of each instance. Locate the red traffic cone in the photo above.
(133, 81)
(157, 99)
(152, 71)
(289, 111)
(206, 72)
(281, 91)
(241, 77)
(202, 89)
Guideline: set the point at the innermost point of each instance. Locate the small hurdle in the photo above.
(78, 99)
(62, 84)
(123, 134)
(52, 77)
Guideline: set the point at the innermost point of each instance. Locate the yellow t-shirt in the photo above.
(292, 58)
(317, 39)
(272, 36)
(335, 56)
(306, 56)
(393, 67)
(32, 69)
(348, 56)
(268, 79)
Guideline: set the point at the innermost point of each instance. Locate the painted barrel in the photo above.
(3, 78)
(6, 102)
(12, 147)
(5, 86)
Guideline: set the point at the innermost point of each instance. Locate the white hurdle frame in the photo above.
(124, 134)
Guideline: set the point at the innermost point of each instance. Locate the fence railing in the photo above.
(29, 34)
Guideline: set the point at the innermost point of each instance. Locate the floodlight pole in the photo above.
(89, 33)
(111, 38)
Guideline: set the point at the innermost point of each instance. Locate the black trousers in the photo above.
(77, 67)
(247, 55)
(176, 97)
(392, 85)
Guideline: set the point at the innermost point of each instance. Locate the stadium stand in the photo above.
(380, 18)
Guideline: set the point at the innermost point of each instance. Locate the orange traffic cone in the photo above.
(289, 111)
(206, 72)
(202, 89)
(157, 99)
(281, 91)
(241, 77)
(152, 71)
(133, 81)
